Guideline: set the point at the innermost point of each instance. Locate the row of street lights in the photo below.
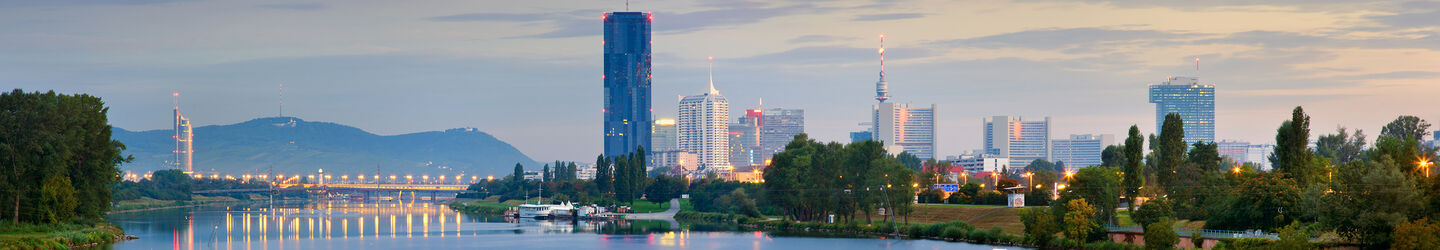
(359, 179)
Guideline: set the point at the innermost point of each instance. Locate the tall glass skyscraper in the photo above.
(627, 82)
(1194, 102)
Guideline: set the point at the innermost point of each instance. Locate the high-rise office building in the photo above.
(744, 144)
(704, 129)
(1237, 151)
(903, 128)
(1194, 102)
(778, 128)
(1015, 138)
(627, 82)
(899, 126)
(859, 136)
(1080, 150)
(184, 141)
(663, 135)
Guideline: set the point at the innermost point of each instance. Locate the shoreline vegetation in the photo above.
(68, 235)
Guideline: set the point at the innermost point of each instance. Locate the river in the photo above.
(314, 225)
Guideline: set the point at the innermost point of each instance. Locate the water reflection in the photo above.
(340, 225)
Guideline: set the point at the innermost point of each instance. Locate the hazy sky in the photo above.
(529, 72)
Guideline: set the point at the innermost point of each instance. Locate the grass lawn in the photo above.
(980, 216)
(644, 206)
(686, 206)
(1123, 217)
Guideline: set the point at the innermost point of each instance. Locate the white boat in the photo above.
(543, 211)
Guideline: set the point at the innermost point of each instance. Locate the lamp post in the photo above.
(1425, 164)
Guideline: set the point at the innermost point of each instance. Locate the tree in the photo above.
(1342, 146)
(1417, 234)
(56, 138)
(1292, 156)
(57, 199)
(1170, 151)
(1134, 172)
(1369, 200)
(1098, 186)
(604, 176)
(1040, 225)
(1038, 165)
(1406, 127)
(664, 188)
(910, 160)
(1112, 156)
(1261, 201)
(1078, 220)
(624, 192)
(1161, 234)
(1152, 211)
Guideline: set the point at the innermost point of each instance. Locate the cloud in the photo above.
(584, 23)
(1290, 40)
(53, 3)
(1050, 39)
(492, 17)
(834, 55)
(295, 6)
(818, 39)
(887, 17)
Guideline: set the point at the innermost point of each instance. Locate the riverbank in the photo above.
(148, 204)
(58, 236)
(952, 231)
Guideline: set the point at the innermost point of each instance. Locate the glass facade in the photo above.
(627, 82)
(1080, 150)
(1194, 102)
(1015, 138)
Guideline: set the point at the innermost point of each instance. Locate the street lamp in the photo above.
(1425, 164)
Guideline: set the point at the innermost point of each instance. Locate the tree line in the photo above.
(810, 180)
(56, 155)
(1378, 196)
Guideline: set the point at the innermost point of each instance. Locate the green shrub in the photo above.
(954, 233)
(1161, 235)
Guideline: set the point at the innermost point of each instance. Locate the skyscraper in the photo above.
(898, 126)
(1194, 102)
(704, 129)
(744, 143)
(184, 141)
(1015, 138)
(1080, 150)
(663, 136)
(627, 82)
(779, 127)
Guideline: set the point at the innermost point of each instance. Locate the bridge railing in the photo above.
(1215, 233)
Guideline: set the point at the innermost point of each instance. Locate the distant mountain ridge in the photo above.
(296, 146)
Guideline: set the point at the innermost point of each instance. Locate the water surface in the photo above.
(338, 225)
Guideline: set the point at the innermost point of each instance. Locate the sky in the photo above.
(529, 72)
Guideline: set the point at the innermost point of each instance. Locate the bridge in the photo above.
(365, 190)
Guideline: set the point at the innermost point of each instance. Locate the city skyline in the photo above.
(441, 66)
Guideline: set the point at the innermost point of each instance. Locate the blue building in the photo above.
(860, 136)
(1194, 102)
(627, 82)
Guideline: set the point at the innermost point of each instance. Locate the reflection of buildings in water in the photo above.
(319, 223)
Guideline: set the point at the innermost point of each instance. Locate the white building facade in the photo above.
(1015, 138)
(1080, 150)
(703, 129)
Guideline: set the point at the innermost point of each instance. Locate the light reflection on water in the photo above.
(340, 225)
